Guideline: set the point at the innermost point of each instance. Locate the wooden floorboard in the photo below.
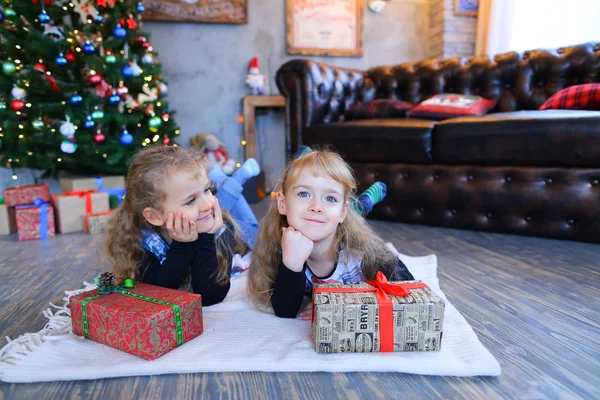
(533, 302)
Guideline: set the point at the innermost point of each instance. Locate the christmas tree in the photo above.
(80, 88)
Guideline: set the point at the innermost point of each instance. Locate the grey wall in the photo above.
(205, 66)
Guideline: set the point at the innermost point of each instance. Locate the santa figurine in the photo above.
(255, 80)
(216, 155)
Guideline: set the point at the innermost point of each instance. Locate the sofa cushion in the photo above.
(578, 97)
(380, 108)
(376, 140)
(450, 105)
(539, 138)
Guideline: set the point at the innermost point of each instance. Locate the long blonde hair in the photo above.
(354, 234)
(145, 188)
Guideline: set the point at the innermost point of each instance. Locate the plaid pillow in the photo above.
(380, 108)
(578, 97)
(443, 106)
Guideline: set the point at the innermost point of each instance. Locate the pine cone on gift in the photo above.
(107, 282)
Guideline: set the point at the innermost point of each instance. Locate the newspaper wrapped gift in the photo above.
(21, 195)
(72, 207)
(96, 184)
(376, 316)
(147, 321)
(35, 221)
(96, 223)
(8, 222)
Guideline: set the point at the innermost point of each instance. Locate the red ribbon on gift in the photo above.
(83, 193)
(383, 290)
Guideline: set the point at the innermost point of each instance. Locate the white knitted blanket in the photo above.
(237, 337)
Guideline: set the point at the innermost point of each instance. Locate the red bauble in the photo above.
(70, 57)
(17, 105)
(122, 90)
(95, 79)
(140, 39)
(145, 45)
(99, 138)
(166, 141)
(165, 116)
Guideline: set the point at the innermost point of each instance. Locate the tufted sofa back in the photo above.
(517, 81)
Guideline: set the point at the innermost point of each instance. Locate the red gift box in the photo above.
(20, 195)
(35, 222)
(147, 321)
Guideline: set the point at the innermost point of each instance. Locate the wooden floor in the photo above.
(534, 303)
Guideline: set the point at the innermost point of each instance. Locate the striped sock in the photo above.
(367, 200)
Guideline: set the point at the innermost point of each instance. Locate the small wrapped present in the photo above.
(8, 222)
(376, 316)
(72, 207)
(97, 184)
(115, 197)
(21, 195)
(147, 321)
(35, 221)
(96, 223)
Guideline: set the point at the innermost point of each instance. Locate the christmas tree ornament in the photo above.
(60, 60)
(165, 117)
(119, 32)
(163, 88)
(70, 57)
(131, 24)
(114, 98)
(126, 138)
(76, 99)
(135, 69)
(99, 19)
(67, 128)
(140, 39)
(84, 8)
(68, 147)
(2, 105)
(8, 67)
(89, 48)
(89, 123)
(97, 114)
(147, 58)
(122, 90)
(140, 8)
(18, 93)
(110, 58)
(9, 13)
(43, 17)
(148, 96)
(154, 122)
(17, 105)
(53, 31)
(99, 137)
(1, 16)
(147, 46)
(166, 141)
(38, 124)
(95, 79)
(127, 71)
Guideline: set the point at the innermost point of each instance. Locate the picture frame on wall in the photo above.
(466, 8)
(325, 27)
(206, 11)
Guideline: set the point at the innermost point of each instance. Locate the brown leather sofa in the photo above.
(516, 170)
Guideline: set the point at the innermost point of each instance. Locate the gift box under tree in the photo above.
(147, 321)
(377, 316)
(35, 221)
(8, 222)
(72, 207)
(21, 195)
(96, 223)
(114, 186)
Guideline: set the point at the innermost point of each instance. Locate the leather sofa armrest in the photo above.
(318, 93)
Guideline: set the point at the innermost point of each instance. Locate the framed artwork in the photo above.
(466, 7)
(325, 27)
(211, 11)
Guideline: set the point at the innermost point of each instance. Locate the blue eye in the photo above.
(331, 199)
(303, 194)
(192, 200)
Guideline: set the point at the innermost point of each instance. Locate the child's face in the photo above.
(314, 205)
(189, 193)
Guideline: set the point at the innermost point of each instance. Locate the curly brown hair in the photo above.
(354, 233)
(145, 178)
